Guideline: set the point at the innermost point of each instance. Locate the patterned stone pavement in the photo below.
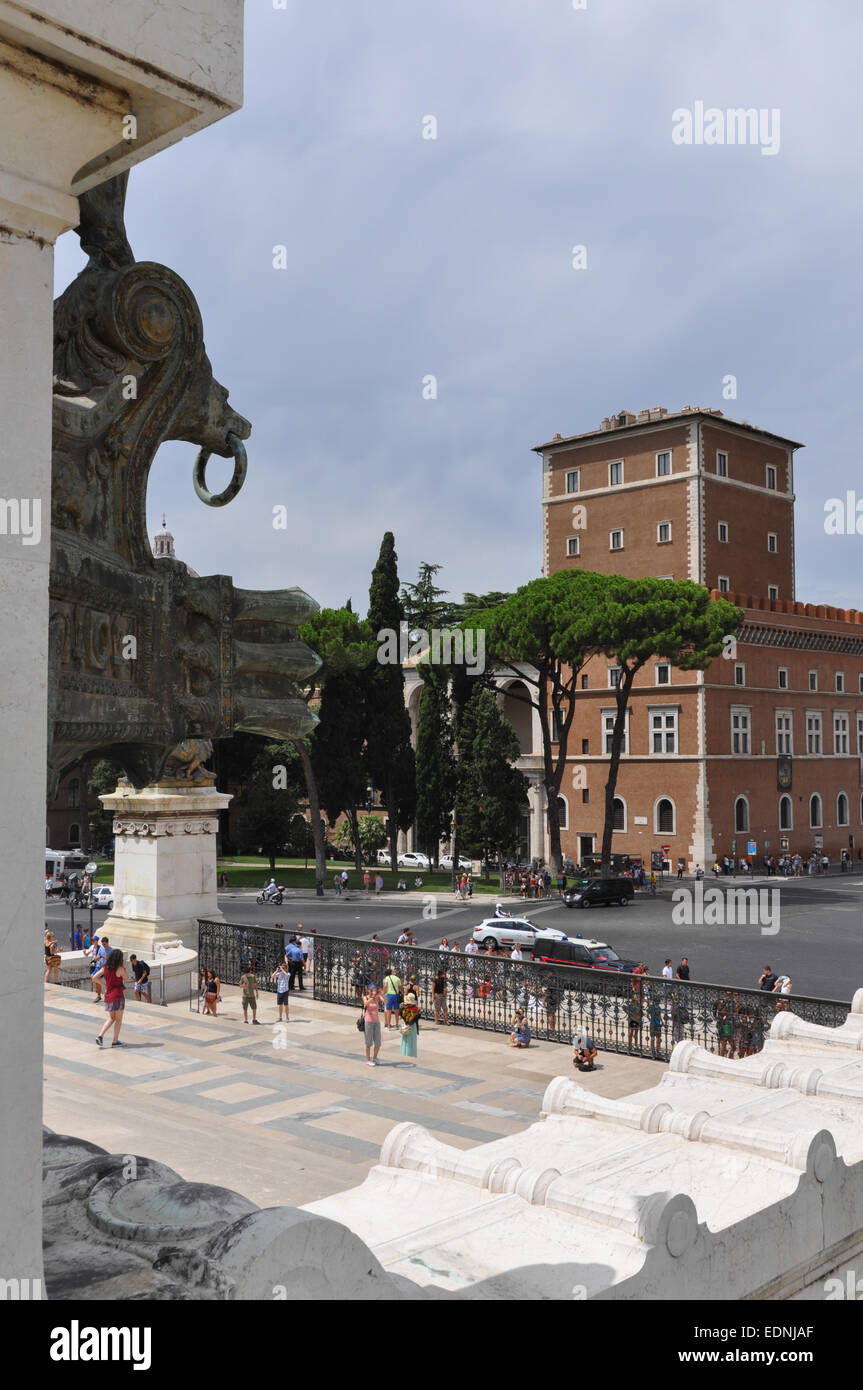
(288, 1115)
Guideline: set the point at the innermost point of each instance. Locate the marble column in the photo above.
(70, 75)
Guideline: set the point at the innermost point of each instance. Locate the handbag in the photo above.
(361, 1022)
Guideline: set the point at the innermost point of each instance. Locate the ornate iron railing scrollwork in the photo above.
(639, 1015)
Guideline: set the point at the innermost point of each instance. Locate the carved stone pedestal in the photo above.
(164, 865)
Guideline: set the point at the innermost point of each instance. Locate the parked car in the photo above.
(592, 955)
(600, 892)
(446, 863)
(103, 895)
(511, 931)
(413, 860)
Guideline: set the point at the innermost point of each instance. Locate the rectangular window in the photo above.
(783, 677)
(663, 464)
(663, 673)
(613, 677)
(585, 682)
(572, 545)
(615, 473)
(585, 745)
(860, 734)
(722, 530)
(740, 731)
(573, 480)
(724, 584)
(771, 542)
(663, 532)
(721, 464)
(772, 591)
(860, 684)
(783, 731)
(555, 726)
(608, 718)
(739, 673)
(840, 733)
(771, 477)
(615, 540)
(663, 731)
(813, 732)
(840, 682)
(585, 796)
(813, 680)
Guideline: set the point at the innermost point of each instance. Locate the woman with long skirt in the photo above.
(409, 1025)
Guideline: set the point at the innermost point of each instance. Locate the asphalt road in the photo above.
(819, 941)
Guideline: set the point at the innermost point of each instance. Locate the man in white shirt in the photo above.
(515, 953)
(667, 972)
(307, 948)
(471, 948)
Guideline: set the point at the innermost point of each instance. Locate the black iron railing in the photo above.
(642, 1015)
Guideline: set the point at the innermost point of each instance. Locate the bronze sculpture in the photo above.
(147, 661)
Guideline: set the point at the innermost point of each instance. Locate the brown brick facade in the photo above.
(729, 726)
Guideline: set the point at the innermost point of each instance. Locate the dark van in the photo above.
(600, 891)
(593, 955)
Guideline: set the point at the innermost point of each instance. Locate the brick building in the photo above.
(761, 752)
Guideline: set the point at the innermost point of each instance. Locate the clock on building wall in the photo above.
(783, 773)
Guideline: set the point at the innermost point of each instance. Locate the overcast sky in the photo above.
(453, 257)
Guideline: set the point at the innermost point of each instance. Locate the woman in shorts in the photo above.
(113, 973)
(52, 957)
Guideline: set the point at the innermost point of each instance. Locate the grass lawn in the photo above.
(245, 871)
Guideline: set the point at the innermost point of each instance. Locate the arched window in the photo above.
(815, 811)
(786, 821)
(563, 812)
(741, 814)
(664, 816)
(74, 834)
(841, 809)
(619, 821)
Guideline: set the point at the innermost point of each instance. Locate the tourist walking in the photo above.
(212, 992)
(767, 979)
(379, 884)
(682, 972)
(367, 880)
(439, 997)
(250, 995)
(52, 957)
(282, 977)
(372, 1023)
(141, 971)
(113, 973)
(392, 991)
(667, 971)
(409, 1022)
(337, 884)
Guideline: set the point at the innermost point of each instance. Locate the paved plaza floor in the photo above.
(285, 1117)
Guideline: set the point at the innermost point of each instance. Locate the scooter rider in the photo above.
(271, 890)
(499, 912)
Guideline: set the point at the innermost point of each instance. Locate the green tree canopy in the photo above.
(491, 790)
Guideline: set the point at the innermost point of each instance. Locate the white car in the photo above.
(413, 860)
(509, 931)
(384, 858)
(446, 863)
(103, 895)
